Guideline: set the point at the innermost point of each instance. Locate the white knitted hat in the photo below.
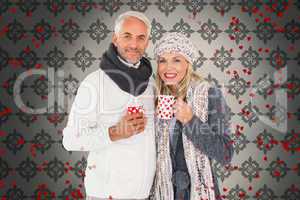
(176, 42)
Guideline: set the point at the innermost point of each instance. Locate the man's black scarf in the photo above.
(130, 80)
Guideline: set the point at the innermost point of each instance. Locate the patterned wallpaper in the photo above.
(250, 49)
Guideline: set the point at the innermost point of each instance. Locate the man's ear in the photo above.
(147, 42)
(114, 39)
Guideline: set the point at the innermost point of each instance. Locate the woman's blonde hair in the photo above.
(182, 87)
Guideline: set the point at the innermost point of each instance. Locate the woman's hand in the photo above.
(183, 112)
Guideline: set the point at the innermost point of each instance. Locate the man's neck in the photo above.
(136, 65)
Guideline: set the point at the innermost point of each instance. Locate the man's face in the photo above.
(132, 40)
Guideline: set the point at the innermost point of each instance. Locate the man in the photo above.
(121, 146)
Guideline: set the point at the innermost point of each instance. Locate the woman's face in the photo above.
(172, 68)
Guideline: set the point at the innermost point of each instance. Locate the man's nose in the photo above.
(133, 43)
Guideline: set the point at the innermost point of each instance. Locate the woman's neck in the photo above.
(173, 89)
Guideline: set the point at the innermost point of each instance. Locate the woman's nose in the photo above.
(169, 65)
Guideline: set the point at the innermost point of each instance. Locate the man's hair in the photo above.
(121, 18)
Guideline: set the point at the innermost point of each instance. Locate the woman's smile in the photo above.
(170, 75)
(172, 67)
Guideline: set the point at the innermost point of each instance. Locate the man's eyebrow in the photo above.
(126, 33)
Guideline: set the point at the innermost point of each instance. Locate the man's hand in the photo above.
(129, 125)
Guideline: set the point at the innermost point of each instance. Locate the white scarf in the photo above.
(198, 164)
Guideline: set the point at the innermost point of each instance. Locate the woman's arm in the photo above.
(212, 137)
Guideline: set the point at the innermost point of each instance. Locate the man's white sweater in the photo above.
(121, 169)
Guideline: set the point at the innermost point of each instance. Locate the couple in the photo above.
(138, 155)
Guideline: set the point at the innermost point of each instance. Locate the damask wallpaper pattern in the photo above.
(250, 49)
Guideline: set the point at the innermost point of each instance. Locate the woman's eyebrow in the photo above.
(178, 57)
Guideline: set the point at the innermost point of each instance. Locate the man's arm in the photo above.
(129, 125)
(83, 132)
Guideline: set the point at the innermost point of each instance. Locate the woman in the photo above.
(198, 132)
